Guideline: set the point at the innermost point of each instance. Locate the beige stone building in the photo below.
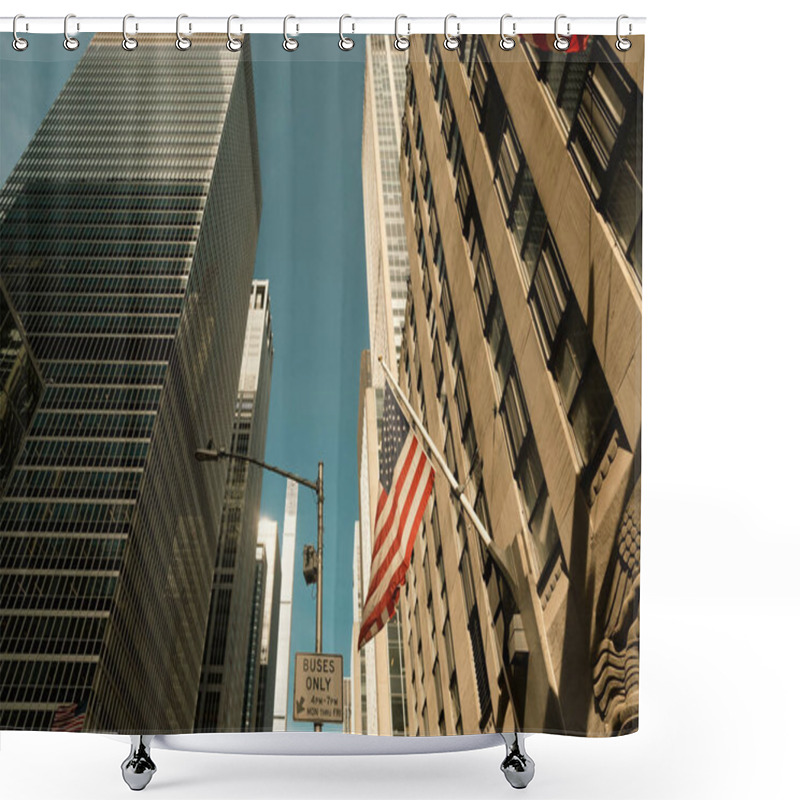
(378, 682)
(378, 679)
(521, 176)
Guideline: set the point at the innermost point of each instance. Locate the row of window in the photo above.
(38, 681)
(60, 552)
(85, 454)
(60, 284)
(602, 111)
(513, 409)
(84, 484)
(91, 248)
(113, 517)
(563, 334)
(106, 373)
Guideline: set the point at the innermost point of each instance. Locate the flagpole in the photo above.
(491, 546)
(487, 540)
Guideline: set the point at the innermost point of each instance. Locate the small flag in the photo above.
(406, 485)
(544, 41)
(69, 717)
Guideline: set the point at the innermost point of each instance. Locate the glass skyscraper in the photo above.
(282, 705)
(378, 667)
(128, 251)
(384, 227)
(270, 613)
(224, 681)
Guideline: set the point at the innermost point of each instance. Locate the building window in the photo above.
(450, 133)
(455, 703)
(411, 89)
(465, 197)
(425, 173)
(467, 52)
(437, 683)
(419, 234)
(606, 142)
(449, 450)
(480, 80)
(451, 334)
(581, 382)
(569, 351)
(437, 72)
(438, 367)
(427, 291)
(485, 287)
(436, 238)
(476, 640)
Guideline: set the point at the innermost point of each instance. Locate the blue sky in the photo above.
(311, 248)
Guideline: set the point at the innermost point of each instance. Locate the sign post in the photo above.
(318, 688)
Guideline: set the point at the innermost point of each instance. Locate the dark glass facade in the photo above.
(225, 699)
(21, 386)
(127, 240)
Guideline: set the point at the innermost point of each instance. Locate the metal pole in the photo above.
(214, 455)
(491, 547)
(320, 501)
(488, 543)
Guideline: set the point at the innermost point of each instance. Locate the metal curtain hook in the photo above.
(345, 43)
(181, 42)
(622, 43)
(451, 42)
(128, 42)
(234, 44)
(290, 44)
(401, 42)
(70, 43)
(560, 42)
(506, 42)
(18, 43)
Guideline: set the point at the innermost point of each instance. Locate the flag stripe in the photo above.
(379, 564)
(414, 495)
(66, 718)
(398, 576)
(383, 520)
(399, 499)
(406, 477)
(403, 563)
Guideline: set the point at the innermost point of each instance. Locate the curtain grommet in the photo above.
(401, 43)
(451, 42)
(561, 43)
(18, 43)
(345, 42)
(128, 42)
(290, 44)
(623, 44)
(181, 42)
(233, 44)
(70, 42)
(506, 42)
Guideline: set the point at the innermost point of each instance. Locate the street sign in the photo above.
(318, 688)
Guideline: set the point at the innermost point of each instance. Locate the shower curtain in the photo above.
(320, 385)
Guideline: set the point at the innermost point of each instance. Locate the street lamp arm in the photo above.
(285, 473)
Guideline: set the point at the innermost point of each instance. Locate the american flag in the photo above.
(406, 484)
(69, 717)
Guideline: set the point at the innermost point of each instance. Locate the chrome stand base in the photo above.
(517, 766)
(138, 768)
